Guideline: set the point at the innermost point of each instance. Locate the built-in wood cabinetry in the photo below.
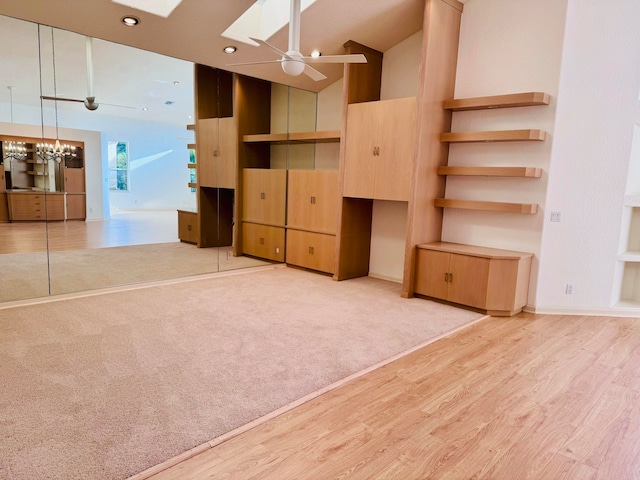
(312, 212)
(264, 209)
(495, 281)
(379, 149)
(188, 226)
(34, 189)
(29, 206)
(216, 143)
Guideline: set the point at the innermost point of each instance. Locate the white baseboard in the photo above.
(615, 311)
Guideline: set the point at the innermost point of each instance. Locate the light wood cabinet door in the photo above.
(207, 151)
(263, 241)
(252, 195)
(76, 206)
(432, 273)
(274, 187)
(394, 158)
(315, 251)
(468, 279)
(264, 196)
(313, 200)
(187, 226)
(228, 153)
(379, 149)
(74, 180)
(361, 139)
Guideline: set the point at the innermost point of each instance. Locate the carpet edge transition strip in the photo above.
(172, 462)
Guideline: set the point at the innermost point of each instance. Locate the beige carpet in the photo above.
(24, 275)
(105, 386)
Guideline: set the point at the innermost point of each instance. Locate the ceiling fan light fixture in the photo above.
(230, 49)
(316, 54)
(130, 21)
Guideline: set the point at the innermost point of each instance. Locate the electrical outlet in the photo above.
(555, 216)
(569, 289)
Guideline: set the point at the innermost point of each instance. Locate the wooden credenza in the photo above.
(36, 206)
(493, 280)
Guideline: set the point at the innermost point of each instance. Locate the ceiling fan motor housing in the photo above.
(294, 65)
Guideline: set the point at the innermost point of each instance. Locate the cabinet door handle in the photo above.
(446, 277)
(451, 278)
(261, 240)
(215, 153)
(262, 196)
(311, 250)
(313, 200)
(188, 228)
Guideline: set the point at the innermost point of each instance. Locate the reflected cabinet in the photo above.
(37, 185)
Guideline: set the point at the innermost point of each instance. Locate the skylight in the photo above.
(262, 20)
(162, 8)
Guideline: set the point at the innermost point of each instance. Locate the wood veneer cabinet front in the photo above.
(315, 251)
(26, 206)
(379, 149)
(3, 182)
(4, 208)
(188, 226)
(263, 241)
(264, 196)
(76, 206)
(493, 280)
(217, 152)
(313, 200)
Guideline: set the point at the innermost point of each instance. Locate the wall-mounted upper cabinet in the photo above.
(216, 140)
(379, 149)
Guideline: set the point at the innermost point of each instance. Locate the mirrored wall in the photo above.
(91, 190)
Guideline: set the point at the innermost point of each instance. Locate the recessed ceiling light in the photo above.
(145, 109)
(230, 49)
(176, 82)
(316, 53)
(130, 21)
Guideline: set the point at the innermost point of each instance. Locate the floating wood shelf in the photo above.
(191, 126)
(528, 99)
(191, 146)
(193, 185)
(530, 172)
(524, 208)
(322, 136)
(192, 165)
(37, 174)
(494, 136)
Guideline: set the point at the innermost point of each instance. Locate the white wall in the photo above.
(597, 102)
(506, 46)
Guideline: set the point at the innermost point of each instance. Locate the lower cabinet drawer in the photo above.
(263, 241)
(316, 251)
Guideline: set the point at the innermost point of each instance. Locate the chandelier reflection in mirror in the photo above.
(15, 151)
(57, 151)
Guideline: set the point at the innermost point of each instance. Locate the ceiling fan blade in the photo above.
(89, 52)
(60, 99)
(270, 47)
(353, 58)
(119, 106)
(253, 63)
(313, 73)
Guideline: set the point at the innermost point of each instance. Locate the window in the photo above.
(118, 166)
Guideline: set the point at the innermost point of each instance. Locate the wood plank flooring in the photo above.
(527, 397)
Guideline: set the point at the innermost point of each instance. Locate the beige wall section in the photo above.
(92, 158)
(400, 68)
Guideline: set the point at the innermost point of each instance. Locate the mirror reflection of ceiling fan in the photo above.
(292, 61)
(90, 101)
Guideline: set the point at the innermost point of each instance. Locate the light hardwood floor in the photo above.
(123, 228)
(539, 397)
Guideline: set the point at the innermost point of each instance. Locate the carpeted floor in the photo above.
(26, 275)
(105, 386)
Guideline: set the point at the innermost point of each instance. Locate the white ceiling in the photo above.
(191, 33)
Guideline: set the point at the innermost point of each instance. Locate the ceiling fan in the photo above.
(292, 61)
(90, 101)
